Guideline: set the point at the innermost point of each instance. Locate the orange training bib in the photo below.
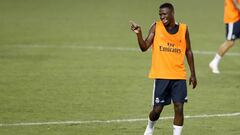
(168, 52)
(231, 13)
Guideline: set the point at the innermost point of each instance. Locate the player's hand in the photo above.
(193, 81)
(135, 27)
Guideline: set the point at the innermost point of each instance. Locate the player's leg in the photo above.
(225, 47)
(214, 64)
(232, 33)
(160, 98)
(178, 118)
(179, 97)
(153, 117)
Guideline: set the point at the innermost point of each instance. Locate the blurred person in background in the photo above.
(232, 22)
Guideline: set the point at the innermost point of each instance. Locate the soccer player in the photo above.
(170, 43)
(232, 21)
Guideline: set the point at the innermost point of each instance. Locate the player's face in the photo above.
(166, 15)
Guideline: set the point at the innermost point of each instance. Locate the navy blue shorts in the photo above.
(233, 30)
(165, 91)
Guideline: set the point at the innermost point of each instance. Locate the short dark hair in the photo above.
(167, 5)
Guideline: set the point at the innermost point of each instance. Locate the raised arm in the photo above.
(190, 59)
(143, 44)
(236, 4)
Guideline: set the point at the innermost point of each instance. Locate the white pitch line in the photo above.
(108, 48)
(112, 121)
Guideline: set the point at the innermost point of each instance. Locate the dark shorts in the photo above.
(233, 30)
(165, 91)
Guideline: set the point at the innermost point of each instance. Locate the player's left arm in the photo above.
(190, 60)
(236, 4)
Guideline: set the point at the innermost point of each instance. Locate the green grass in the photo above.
(49, 73)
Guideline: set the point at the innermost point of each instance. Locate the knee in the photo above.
(178, 108)
(154, 116)
(155, 113)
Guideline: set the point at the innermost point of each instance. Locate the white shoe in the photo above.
(148, 131)
(214, 68)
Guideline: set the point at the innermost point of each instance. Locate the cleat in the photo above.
(149, 131)
(214, 68)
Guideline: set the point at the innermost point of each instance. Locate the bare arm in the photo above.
(143, 44)
(190, 59)
(236, 4)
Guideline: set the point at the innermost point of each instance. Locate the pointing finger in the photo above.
(133, 23)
